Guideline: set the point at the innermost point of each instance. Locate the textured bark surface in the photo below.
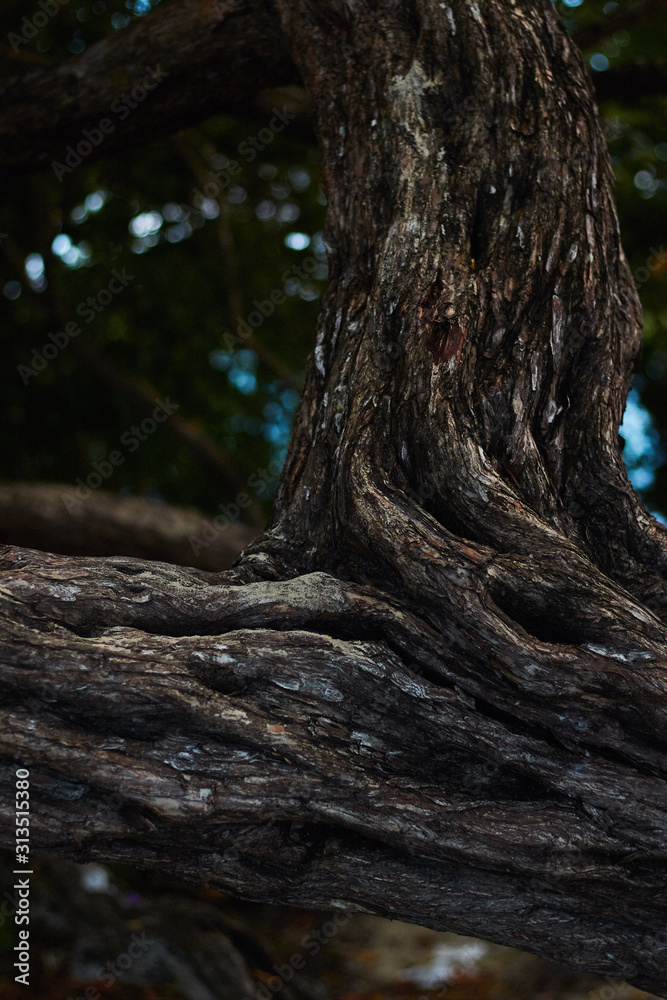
(435, 688)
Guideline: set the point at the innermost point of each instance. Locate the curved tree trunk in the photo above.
(435, 687)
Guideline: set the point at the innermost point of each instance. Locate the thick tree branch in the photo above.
(244, 734)
(212, 58)
(54, 517)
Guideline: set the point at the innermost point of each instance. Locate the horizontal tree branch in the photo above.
(54, 517)
(281, 741)
(205, 58)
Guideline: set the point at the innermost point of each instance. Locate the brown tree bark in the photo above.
(435, 688)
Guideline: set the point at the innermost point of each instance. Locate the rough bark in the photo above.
(435, 688)
(52, 516)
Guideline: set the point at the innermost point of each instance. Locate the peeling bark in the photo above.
(435, 687)
(255, 737)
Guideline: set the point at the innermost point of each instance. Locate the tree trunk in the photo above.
(434, 689)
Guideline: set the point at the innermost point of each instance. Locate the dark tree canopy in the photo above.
(434, 686)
